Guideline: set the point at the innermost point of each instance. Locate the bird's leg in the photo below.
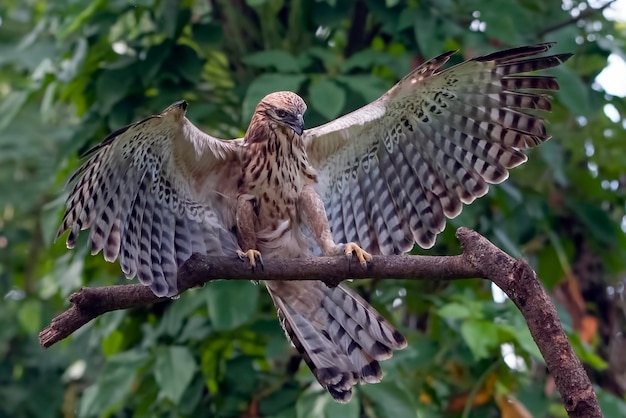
(246, 230)
(314, 217)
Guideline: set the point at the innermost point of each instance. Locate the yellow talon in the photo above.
(252, 256)
(363, 256)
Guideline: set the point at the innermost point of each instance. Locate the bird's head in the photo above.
(285, 109)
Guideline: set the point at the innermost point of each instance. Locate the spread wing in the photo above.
(153, 193)
(390, 172)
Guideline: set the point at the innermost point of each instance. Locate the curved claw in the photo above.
(252, 256)
(363, 256)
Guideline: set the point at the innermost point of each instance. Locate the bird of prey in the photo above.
(377, 180)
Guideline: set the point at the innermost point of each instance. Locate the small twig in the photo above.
(480, 258)
(583, 15)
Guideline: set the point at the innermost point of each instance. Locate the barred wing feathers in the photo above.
(392, 171)
(153, 193)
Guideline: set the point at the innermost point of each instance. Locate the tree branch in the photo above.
(480, 258)
(356, 34)
(582, 15)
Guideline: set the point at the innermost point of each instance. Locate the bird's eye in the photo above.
(281, 113)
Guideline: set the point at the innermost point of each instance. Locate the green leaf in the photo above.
(507, 243)
(525, 340)
(81, 20)
(29, 316)
(113, 384)
(265, 84)
(208, 35)
(454, 311)
(112, 343)
(188, 63)
(480, 336)
(155, 58)
(598, 221)
(322, 405)
(533, 397)
(280, 60)
(505, 26)
(585, 353)
(327, 98)
(50, 219)
(169, 17)
(215, 351)
(573, 93)
(123, 61)
(47, 109)
(351, 409)
(391, 400)
(113, 86)
(10, 106)
(369, 87)
(611, 405)
(178, 312)
(549, 266)
(552, 153)
(173, 370)
(427, 33)
(195, 329)
(231, 303)
(280, 403)
(328, 58)
(421, 351)
(366, 59)
(110, 323)
(239, 375)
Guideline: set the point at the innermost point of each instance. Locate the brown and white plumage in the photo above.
(385, 176)
(153, 193)
(432, 142)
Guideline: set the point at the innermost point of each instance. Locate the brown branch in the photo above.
(581, 16)
(480, 258)
(356, 33)
(518, 280)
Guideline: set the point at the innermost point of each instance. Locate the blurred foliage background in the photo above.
(71, 71)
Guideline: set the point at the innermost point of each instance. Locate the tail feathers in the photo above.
(330, 366)
(339, 335)
(356, 316)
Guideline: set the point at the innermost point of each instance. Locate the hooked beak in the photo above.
(297, 124)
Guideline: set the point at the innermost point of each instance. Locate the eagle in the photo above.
(374, 181)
